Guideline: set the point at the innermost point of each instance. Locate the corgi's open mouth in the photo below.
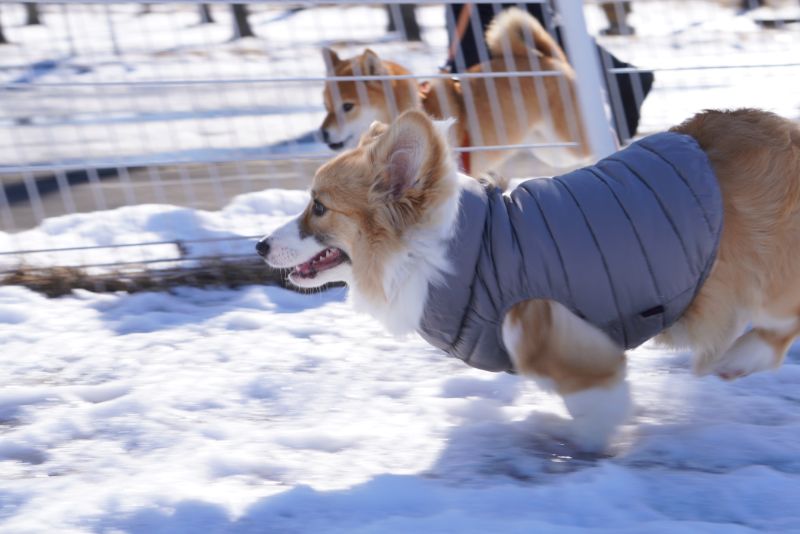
(325, 260)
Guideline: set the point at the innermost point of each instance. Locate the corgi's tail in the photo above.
(519, 32)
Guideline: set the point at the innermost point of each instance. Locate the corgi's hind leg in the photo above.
(760, 349)
(563, 352)
(711, 325)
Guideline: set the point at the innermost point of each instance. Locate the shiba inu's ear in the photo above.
(376, 129)
(371, 64)
(402, 151)
(331, 59)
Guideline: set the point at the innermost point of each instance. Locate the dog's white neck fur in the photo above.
(409, 272)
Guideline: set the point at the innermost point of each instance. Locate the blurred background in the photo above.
(111, 104)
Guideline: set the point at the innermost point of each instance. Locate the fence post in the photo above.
(3, 39)
(583, 56)
(112, 32)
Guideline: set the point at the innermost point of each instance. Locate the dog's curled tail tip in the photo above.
(518, 32)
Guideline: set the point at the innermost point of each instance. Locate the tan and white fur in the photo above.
(385, 210)
(488, 112)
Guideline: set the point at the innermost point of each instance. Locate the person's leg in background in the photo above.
(403, 19)
(617, 15)
(469, 46)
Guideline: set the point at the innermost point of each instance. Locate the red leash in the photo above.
(465, 156)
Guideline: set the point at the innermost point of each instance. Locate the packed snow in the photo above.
(263, 410)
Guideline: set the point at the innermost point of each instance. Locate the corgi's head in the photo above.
(353, 105)
(378, 218)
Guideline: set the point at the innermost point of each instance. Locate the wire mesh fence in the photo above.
(191, 104)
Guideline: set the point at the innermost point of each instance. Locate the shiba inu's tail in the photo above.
(519, 32)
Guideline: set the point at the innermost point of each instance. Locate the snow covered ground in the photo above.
(261, 410)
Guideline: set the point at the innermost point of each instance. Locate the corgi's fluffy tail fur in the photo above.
(516, 31)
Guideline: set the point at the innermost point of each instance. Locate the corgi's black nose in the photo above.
(262, 247)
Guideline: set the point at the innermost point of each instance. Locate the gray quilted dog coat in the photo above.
(625, 244)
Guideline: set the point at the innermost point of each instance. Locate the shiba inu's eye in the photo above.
(319, 209)
(347, 106)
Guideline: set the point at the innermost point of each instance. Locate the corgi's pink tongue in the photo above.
(328, 258)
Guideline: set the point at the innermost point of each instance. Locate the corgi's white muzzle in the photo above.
(310, 263)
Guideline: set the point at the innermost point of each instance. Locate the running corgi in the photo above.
(688, 236)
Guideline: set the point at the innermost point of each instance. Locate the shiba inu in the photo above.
(688, 236)
(492, 111)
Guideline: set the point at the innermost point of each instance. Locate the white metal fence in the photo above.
(107, 104)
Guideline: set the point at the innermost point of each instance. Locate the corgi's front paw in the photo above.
(596, 414)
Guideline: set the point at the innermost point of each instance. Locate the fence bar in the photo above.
(176, 242)
(141, 262)
(583, 56)
(256, 2)
(296, 79)
(116, 164)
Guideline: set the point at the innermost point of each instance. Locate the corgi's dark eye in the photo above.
(347, 106)
(318, 209)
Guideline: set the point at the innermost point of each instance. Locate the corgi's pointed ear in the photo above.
(371, 64)
(331, 60)
(402, 151)
(445, 127)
